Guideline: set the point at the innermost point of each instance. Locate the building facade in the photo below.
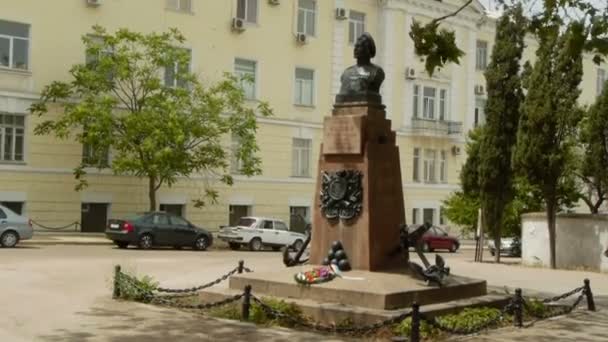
(295, 50)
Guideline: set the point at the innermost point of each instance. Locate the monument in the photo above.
(359, 216)
(359, 199)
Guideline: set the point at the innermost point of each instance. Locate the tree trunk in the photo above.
(152, 192)
(497, 245)
(551, 207)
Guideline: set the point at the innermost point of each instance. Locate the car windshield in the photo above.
(246, 222)
(135, 216)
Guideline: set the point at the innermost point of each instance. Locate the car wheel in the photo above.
(121, 244)
(145, 241)
(426, 248)
(201, 243)
(9, 239)
(256, 244)
(454, 248)
(298, 244)
(234, 246)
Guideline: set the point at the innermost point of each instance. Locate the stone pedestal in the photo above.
(358, 137)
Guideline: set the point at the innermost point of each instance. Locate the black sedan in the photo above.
(157, 229)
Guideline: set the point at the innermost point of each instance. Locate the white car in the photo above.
(257, 232)
(13, 227)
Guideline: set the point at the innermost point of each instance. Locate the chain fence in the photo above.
(515, 309)
(74, 224)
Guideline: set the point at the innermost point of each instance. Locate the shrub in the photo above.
(257, 314)
(137, 289)
(470, 319)
(405, 329)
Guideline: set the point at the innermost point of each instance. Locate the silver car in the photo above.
(13, 228)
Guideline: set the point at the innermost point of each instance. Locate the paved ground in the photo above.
(62, 293)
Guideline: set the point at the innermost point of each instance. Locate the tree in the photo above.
(502, 118)
(593, 168)
(158, 131)
(549, 113)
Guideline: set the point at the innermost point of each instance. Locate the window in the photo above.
(266, 225)
(92, 156)
(180, 5)
(174, 73)
(429, 165)
(299, 219)
(14, 45)
(306, 17)
(601, 81)
(304, 87)
(356, 25)
(236, 164)
(174, 209)
(178, 221)
(442, 104)
(301, 157)
(482, 55)
(247, 10)
(160, 219)
(441, 215)
(428, 106)
(246, 70)
(416, 175)
(428, 215)
(12, 132)
(415, 216)
(16, 207)
(278, 225)
(416, 100)
(443, 167)
(480, 112)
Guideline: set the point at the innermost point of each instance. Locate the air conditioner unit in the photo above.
(238, 24)
(340, 13)
(479, 90)
(274, 2)
(93, 3)
(301, 38)
(456, 150)
(410, 73)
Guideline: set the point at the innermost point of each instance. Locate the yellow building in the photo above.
(296, 51)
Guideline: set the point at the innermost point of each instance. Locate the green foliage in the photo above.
(137, 289)
(469, 174)
(470, 318)
(161, 132)
(405, 329)
(230, 311)
(438, 46)
(462, 209)
(502, 117)
(258, 316)
(536, 308)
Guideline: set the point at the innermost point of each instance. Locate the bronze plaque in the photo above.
(342, 135)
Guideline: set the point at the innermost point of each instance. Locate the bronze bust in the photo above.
(361, 82)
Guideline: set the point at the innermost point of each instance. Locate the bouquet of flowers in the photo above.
(315, 276)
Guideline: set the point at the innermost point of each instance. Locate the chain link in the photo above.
(247, 270)
(563, 296)
(329, 328)
(553, 313)
(198, 288)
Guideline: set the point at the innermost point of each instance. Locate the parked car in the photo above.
(436, 238)
(257, 232)
(157, 229)
(13, 228)
(510, 246)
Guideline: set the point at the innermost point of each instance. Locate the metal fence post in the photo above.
(241, 265)
(116, 293)
(518, 309)
(589, 295)
(415, 331)
(246, 302)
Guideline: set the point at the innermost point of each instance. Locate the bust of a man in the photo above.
(361, 82)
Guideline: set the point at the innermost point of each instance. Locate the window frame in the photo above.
(432, 210)
(298, 157)
(443, 166)
(246, 18)
(415, 212)
(429, 166)
(416, 101)
(4, 126)
(354, 25)
(313, 97)
(481, 55)
(416, 165)
(11, 48)
(429, 103)
(176, 82)
(255, 76)
(236, 164)
(427, 107)
(277, 223)
(178, 7)
(480, 112)
(306, 13)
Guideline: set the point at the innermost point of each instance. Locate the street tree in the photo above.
(502, 117)
(162, 127)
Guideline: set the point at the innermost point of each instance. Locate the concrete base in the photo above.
(374, 290)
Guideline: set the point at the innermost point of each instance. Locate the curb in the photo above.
(76, 243)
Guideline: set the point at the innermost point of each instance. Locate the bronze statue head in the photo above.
(365, 47)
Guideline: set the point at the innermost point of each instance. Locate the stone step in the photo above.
(334, 313)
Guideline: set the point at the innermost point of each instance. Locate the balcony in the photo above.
(440, 127)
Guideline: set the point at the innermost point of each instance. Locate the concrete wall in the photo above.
(581, 240)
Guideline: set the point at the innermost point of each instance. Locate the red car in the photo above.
(437, 238)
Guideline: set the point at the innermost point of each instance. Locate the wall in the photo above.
(581, 240)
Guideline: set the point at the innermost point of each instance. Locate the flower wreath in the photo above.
(315, 276)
